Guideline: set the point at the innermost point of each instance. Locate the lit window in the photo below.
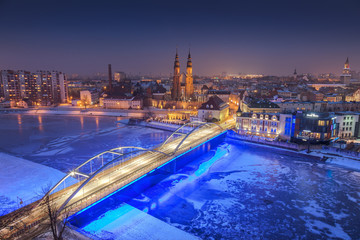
(321, 123)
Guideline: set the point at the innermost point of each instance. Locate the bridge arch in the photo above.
(194, 126)
(198, 127)
(89, 177)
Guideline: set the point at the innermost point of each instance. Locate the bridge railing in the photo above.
(94, 167)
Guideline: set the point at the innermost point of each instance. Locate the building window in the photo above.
(321, 123)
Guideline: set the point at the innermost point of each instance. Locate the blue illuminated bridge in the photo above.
(115, 169)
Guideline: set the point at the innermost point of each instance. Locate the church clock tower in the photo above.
(189, 85)
(176, 88)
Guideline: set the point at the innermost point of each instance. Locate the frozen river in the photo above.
(63, 142)
(233, 191)
(242, 191)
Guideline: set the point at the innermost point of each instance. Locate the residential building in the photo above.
(42, 87)
(348, 124)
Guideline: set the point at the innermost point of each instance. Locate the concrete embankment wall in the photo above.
(131, 113)
(254, 139)
(291, 148)
(89, 113)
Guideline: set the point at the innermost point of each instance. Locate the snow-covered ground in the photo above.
(23, 181)
(132, 224)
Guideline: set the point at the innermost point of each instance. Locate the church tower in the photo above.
(346, 76)
(176, 88)
(346, 69)
(189, 85)
(295, 75)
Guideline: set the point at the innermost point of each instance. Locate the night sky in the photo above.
(269, 36)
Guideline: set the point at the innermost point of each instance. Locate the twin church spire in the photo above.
(177, 92)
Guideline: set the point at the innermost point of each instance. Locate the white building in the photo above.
(122, 103)
(348, 124)
(91, 97)
(214, 108)
(269, 125)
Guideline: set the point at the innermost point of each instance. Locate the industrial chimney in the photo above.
(110, 78)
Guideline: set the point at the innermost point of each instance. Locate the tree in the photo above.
(85, 101)
(55, 222)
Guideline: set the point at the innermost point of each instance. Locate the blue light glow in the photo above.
(146, 175)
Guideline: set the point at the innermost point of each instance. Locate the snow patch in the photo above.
(129, 223)
(22, 181)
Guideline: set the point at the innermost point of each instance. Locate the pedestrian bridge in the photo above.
(117, 168)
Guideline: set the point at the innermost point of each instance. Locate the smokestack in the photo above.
(110, 78)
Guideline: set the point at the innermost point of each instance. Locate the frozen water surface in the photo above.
(242, 191)
(233, 191)
(63, 142)
(55, 141)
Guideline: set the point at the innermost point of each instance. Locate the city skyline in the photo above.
(259, 38)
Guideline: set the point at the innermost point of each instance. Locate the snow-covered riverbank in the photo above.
(23, 181)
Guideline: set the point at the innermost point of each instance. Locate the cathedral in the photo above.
(176, 93)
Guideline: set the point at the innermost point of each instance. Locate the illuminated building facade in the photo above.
(189, 82)
(259, 124)
(40, 88)
(187, 91)
(314, 126)
(176, 88)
